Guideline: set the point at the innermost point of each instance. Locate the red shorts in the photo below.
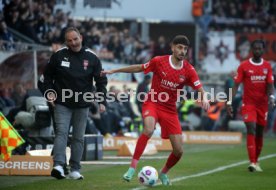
(258, 115)
(168, 121)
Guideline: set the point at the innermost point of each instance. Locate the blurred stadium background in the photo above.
(125, 32)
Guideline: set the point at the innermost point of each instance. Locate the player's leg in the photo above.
(261, 123)
(174, 157)
(259, 145)
(249, 114)
(259, 140)
(170, 128)
(251, 145)
(149, 126)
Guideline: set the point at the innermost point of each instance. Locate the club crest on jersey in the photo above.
(85, 64)
(181, 78)
(265, 71)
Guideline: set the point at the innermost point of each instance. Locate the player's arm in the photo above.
(232, 94)
(270, 87)
(129, 69)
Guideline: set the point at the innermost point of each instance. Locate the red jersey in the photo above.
(167, 80)
(255, 77)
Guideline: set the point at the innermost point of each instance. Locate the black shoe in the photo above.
(57, 172)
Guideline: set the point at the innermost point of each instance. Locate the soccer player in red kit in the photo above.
(256, 76)
(170, 74)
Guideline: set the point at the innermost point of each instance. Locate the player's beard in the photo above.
(180, 57)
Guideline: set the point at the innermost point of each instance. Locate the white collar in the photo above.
(253, 63)
(173, 66)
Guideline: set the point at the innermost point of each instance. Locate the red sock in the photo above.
(259, 146)
(172, 160)
(251, 148)
(139, 149)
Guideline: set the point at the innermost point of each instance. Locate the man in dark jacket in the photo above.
(67, 83)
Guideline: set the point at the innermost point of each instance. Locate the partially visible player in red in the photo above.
(170, 74)
(256, 76)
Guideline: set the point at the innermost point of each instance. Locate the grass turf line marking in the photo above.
(221, 168)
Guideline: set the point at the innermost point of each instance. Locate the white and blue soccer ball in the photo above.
(148, 176)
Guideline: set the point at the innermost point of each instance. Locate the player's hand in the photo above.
(205, 105)
(101, 108)
(105, 72)
(229, 110)
(271, 102)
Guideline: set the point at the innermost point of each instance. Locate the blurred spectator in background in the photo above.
(141, 91)
(229, 83)
(197, 9)
(5, 97)
(6, 36)
(120, 110)
(162, 47)
(210, 120)
(127, 91)
(18, 94)
(95, 115)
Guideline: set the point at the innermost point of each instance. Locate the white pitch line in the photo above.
(120, 162)
(104, 163)
(129, 157)
(221, 168)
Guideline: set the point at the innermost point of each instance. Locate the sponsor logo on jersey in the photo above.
(169, 83)
(258, 78)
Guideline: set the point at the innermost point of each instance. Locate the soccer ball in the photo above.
(148, 176)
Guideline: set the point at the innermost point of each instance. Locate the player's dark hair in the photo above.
(181, 39)
(257, 41)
